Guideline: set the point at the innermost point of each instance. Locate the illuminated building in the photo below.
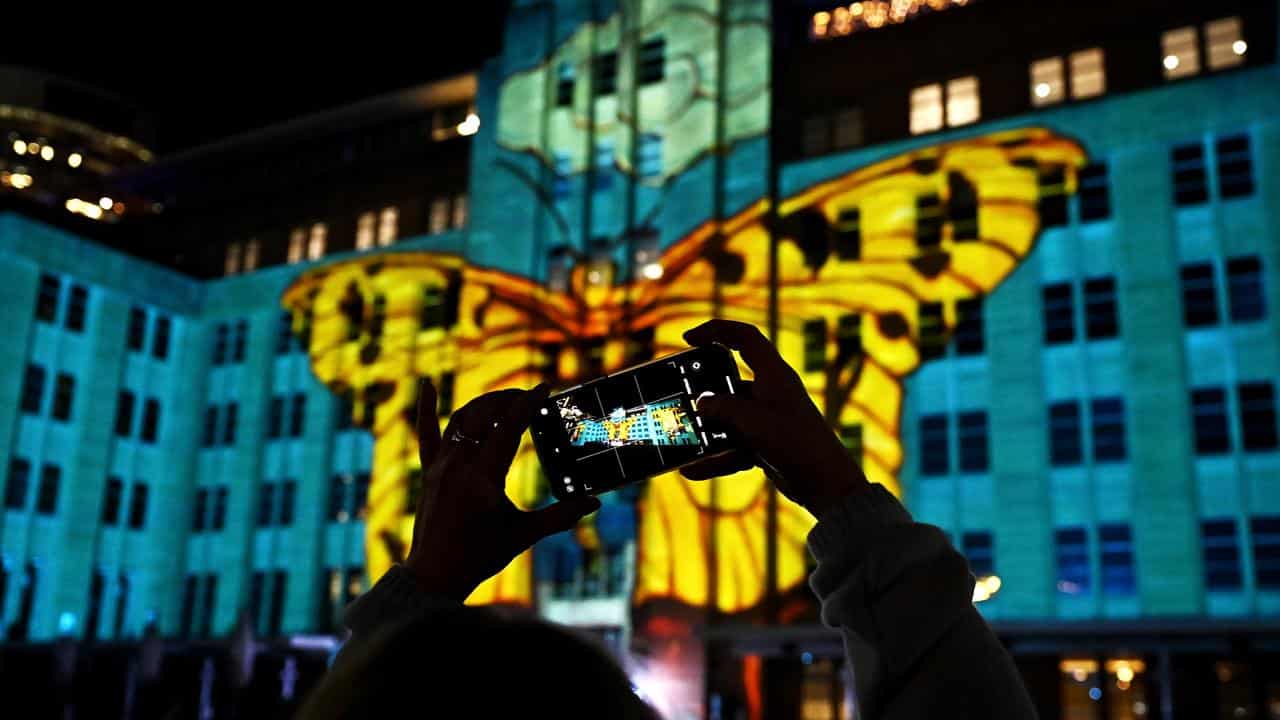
(1031, 279)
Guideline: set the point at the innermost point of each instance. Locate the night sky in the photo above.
(215, 72)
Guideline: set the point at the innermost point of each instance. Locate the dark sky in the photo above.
(211, 75)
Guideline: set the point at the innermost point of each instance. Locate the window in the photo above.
(316, 241)
(97, 583)
(297, 415)
(815, 345)
(1265, 532)
(564, 85)
(47, 493)
(848, 127)
(122, 604)
(112, 497)
(1181, 53)
(361, 496)
(1108, 430)
(1088, 74)
(849, 336)
(344, 410)
(1117, 560)
(64, 390)
(1095, 196)
(137, 333)
(33, 389)
(297, 244)
(275, 612)
(15, 487)
(1059, 314)
(1244, 289)
(602, 178)
(605, 69)
(219, 519)
(563, 167)
(275, 417)
(1221, 548)
(459, 217)
(1071, 550)
(649, 158)
(231, 263)
(1199, 297)
(364, 231)
(972, 427)
(438, 218)
(929, 221)
(926, 109)
(124, 414)
(150, 420)
(851, 438)
(1258, 415)
(288, 493)
(47, 298)
(444, 394)
(962, 208)
(1100, 308)
(1064, 434)
(229, 424)
(1189, 176)
(208, 604)
(1052, 201)
(933, 332)
(1224, 43)
(251, 251)
(210, 437)
(187, 614)
(963, 101)
(220, 333)
(1047, 84)
(239, 342)
(969, 337)
(815, 134)
(1209, 418)
(978, 549)
(653, 58)
(338, 485)
(138, 506)
(934, 448)
(285, 341)
(76, 305)
(266, 504)
(200, 510)
(160, 342)
(1235, 166)
(388, 226)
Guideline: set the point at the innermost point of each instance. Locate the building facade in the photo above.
(1031, 281)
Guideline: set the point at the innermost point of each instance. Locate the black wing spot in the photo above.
(930, 265)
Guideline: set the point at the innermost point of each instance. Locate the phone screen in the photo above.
(633, 424)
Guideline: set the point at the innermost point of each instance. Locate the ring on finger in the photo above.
(458, 437)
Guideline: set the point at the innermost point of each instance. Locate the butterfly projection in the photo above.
(871, 266)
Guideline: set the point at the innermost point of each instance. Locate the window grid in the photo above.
(973, 441)
(1059, 313)
(1209, 420)
(1264, 531)
(1257, 415)
(1244, 289)
(1118, 577)
(934, 447)
(979, 548)
(1100, 308)
(1199, 295)
(1071, 550)
(1221, 548)
(1065, 446)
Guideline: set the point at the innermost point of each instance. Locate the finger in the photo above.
(476, 418)
(718, 466)
(554, 518)
(428, 425)
(502, 439)
(747, 417)
(760, 354)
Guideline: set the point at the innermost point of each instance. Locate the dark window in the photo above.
(1265, 531)
(979, 550)
(1059, 314)
(20, 627)
(345, 410)
(297, 414)
(15, 488)
(564, 85)
(76, 306)
(1108, 430)
(275, 417)
(972, 428)
(112, 497)
(137, 331)
(124, 414)
(1209, 418)
(934, 448)
(1100, 308)
(848, 337)
(605, 68)
(1221, 547)
(1189, 176)
(122, 604)
(257, 585)
(653, 60)
(219, 519)
(138, 506)
(1094, 193)
(266, 504)
(338, 485)
(97, 583)
(1064, 433)
(210, 437)
(851, 438)
(229, 424)
(47, 494)
(1052, 203)
(928, 222)
(275, 613)
(284, 335)
(160, 340)
(815, 134)
(150, 420)
(970, 335)
(1199, 297)
(1235, 166)
(240, 341)
(220, 344)
(288, 493)
(962, 208)
(200, 510)
(208, 605)
(187, 616)
(1071, 550)
(815, 345)
(602, 177)
(1258, 415)
(64, 390)
(1117, 560)
(1244, 289)
(433, 307)
(47, 298)
(33, 389)
(849, 233)
(360, 497)
(933, 331)
(330, 600)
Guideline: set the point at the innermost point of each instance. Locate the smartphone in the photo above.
(635, 423)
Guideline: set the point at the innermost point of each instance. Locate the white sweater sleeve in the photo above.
(902, 598)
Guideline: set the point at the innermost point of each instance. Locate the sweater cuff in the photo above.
(858, 514)
(394, 597)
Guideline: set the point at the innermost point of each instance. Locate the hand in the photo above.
(782, 429)
(466, 529)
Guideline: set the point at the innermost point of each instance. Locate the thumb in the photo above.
(556, 517)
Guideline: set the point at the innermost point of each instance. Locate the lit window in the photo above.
(297, 241)
(1088, 74)
(439, 218)
(231, 265)
(388, 226)
(1181, 53)
(364, 231)
(963, 104)
(1224, 43)
(251, 250)
(926, 109)
(460, 210)
(315, 246)
(1047, 82)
